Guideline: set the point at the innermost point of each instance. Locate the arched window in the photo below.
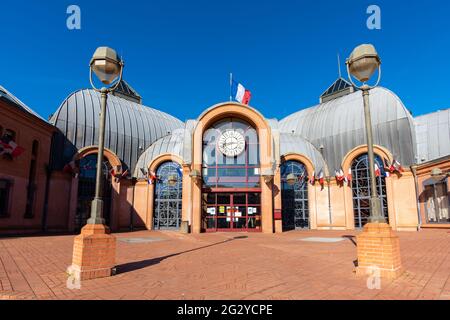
(168, 196)
(231, 193)
(231, 155)
(295, 209)
(362, 190)
(86, 189)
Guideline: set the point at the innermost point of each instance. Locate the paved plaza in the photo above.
(169, 265)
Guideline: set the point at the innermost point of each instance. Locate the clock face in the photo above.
(231, 143)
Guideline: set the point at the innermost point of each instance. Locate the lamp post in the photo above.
(108, 68)
(94, 250)
(362, 64)
(378, 246)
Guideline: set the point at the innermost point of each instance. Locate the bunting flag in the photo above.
(312, 179)
(377, 170)
(321, 178)
(349, 177)
(387, 166)
(340, 176)
(151, 177)
(394, 167)
(398, 167)
(70, 167)
(9, 147)
(301, 178)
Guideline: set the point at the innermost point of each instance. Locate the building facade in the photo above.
(25, 147)
(231, 169)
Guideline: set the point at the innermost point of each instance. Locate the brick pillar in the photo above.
(379, 247)
(94, 253)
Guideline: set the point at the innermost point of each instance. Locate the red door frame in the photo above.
(232, 205)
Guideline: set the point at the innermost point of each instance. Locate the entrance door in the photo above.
(232, 212)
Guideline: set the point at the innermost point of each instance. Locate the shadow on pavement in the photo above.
(133, 266)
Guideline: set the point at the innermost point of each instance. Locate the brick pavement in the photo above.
(216, 266)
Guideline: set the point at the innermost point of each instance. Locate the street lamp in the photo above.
(172, 180)
(362, 64)
(108, 68)
(438, 175)
(291, 179)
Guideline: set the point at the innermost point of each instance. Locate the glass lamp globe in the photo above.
(363, 62)
(291, 179)
(106, 65)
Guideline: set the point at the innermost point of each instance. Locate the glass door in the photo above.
(228, 212)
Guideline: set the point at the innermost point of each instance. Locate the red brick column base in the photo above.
(94, 253)
(379, 248)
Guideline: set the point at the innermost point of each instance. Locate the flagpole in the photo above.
(339, 65)
(231, 87)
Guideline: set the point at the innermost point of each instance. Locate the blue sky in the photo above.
(179, 54)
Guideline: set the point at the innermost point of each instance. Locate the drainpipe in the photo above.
(329, 202)
(416, 182)
(48, 173)
(133, 182)
(328, 178)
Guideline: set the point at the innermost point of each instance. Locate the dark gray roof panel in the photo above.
(130, 127)
(338, 125)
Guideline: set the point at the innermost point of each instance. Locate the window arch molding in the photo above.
(382, 152)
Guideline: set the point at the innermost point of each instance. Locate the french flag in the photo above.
(240, 93)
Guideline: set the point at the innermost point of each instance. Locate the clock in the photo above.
(231, 143)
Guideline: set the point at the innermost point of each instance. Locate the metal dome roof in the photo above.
(130, 127)
(338, 125)
(179, 143)
(172, 144)
(290, 143)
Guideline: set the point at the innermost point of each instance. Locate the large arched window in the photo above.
(168, 197)
(231, 198)
(224, 170)
(294, 197)
(86, 189)
(362, 190)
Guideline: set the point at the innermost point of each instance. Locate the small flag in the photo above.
(240, 93)
(312, 179)
(398, 167)
(349, 177)
(70, 167)
(151, 177)
(321, 178)
(377, 170)
(10, 148)
(302, 176)
(340, 176)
